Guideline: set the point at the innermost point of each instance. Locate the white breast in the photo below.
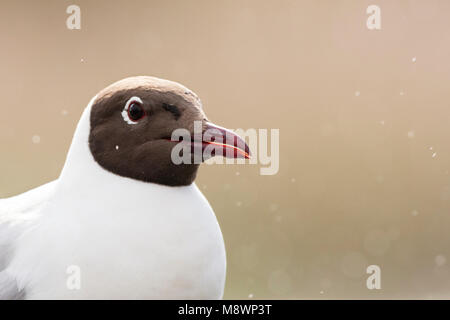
(165, 245)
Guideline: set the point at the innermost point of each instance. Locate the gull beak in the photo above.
(224, 142)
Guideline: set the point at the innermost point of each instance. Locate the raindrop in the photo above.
(273, 207)
(440, 260)
(379, 179)
(36, 139)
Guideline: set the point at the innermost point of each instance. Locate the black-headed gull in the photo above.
(122, 214)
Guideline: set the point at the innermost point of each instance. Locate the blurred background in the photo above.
(363, 115)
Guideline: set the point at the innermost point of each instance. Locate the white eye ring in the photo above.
(125, 115)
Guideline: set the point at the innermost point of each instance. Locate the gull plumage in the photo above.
(130, 238)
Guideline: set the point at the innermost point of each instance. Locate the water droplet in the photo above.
(64, 112)
(250, 295)
(357, 93)
(413, 59)
(434, 155)
(411, 134)
(117, 147)
(415, 213)
(379, 179)
(36, 139)
(440, 260)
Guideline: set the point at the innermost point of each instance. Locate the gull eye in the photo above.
(133, 111)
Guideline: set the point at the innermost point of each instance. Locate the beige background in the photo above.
(353, 189)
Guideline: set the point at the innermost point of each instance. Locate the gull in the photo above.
(123, 214)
